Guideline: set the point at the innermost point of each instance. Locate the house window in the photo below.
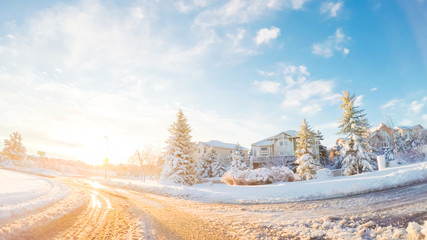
(263, 149)
(282, 153)
(199, 150)
(204, 150)
(281, 143)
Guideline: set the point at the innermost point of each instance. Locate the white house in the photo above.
(276, 150)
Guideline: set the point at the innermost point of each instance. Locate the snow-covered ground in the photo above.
(289, 191)
(22, 193)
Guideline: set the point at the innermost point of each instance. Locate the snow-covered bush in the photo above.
(324, 173)
(282, 174)
(259, 176)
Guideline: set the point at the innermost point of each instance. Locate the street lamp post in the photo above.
(106, 158)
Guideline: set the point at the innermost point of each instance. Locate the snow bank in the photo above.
(289, 191)
(21, 193)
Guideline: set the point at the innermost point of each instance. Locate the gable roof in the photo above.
(269, 141)
(219, 144)
(264, 142)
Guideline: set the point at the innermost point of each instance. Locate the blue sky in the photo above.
(72, 72)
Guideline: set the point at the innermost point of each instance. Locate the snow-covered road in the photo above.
(29, 201)
(21, 194)
(93, 211)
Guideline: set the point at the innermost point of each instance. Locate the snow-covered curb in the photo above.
(289, 191)
(22, 193)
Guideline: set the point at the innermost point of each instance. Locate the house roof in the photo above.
(269, 141)
(264, 142)
(377, 128)
(293, 133)
(409, 127)
(216, 143)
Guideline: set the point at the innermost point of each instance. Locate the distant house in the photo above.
(409, 132)
(275, 150)
(381, 136)
(221, 148)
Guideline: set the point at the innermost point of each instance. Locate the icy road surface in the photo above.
(94, 211)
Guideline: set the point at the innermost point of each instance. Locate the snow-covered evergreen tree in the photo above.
(205, 164)
(238, 161)
(219, 166)
(306, 158)
(179, 166)
(323, 152)
(356, 153)
(13, 149)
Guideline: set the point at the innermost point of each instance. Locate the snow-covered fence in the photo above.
(272, 161)
(336, 172)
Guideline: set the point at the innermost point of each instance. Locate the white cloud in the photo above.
(298, 4)
(415, 107)
(188, 6)
(264, 35)
(266, 73)
(333, 44)
(424, 117)
(374, 89)
(137, 12)
(237, 43)
(301, 94)
(267, 86)
(311, 109)
(331, 8)
(391, 103)
(345, 51)
(239, 11)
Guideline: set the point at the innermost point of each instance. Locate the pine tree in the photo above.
(179, 166)
(238, 161)
(356, 152)
(206, 162)
(323, 152)
(13, 148)
(306, 156)
(219, 166)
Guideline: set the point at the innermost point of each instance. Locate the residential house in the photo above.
(381, 136)
(221, 148)
(409, 132)
(276, 150)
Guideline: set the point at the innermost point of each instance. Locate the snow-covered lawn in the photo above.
(289, 191)
(21, 194)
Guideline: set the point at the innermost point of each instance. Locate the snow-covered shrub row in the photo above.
(259, 176)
